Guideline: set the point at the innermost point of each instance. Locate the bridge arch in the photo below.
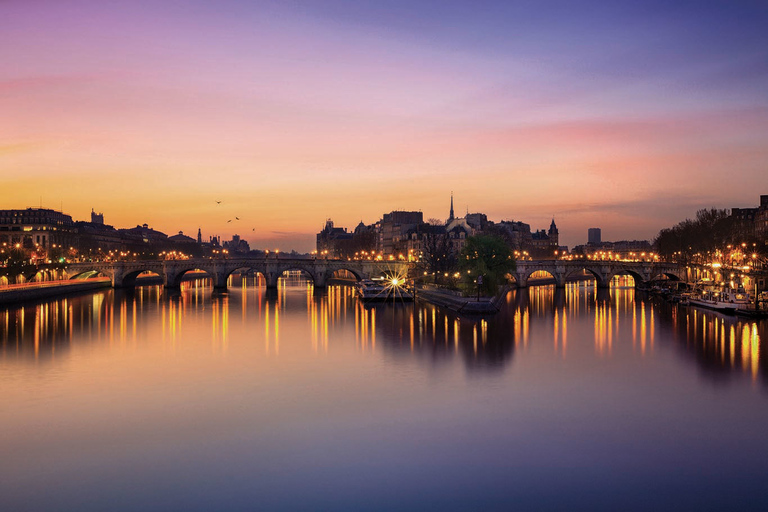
(8, 279)
(317, 278)
(246, 269)
(356, 274)
(672, 276)
(600, 280)
(540, 273)
(86, 274)
(174, 279)
(35, 276)
(637, 277)
(129, 279)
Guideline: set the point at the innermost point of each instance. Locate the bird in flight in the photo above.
(230, 220)
(237, 218)
(218, 202)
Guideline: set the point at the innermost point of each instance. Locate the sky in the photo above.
(628, 116)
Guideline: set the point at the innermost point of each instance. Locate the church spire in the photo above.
(450, 218)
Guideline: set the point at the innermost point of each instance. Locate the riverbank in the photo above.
(51, 289)
(458, 303)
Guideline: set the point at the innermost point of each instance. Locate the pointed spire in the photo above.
(450, 217)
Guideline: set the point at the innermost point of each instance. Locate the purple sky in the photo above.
(628, 117)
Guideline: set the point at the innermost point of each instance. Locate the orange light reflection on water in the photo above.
(618, 322)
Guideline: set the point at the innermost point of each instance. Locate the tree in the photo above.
(488, 256)
(16, 261)
(437, 254)
(712, 229)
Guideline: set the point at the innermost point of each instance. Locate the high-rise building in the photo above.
(594, 236)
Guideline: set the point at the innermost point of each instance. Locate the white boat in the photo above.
(715, 300)
(380, 289)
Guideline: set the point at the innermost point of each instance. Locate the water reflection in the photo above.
(578, 315)
(722, 345)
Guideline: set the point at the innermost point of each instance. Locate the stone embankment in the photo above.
(456, 302)
(30, 292)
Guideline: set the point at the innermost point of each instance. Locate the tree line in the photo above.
(710, 231)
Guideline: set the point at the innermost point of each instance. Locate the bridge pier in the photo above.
(319, 280)
(220, 280)
(171, 281)
(118, 279)
(271, 278)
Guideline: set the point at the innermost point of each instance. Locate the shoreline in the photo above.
(485, 305)
(11, 296)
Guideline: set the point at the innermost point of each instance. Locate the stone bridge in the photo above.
(603, 271)
(124, 273)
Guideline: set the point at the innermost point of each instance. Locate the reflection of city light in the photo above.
(565, 333)
(755, 351)
(456, 334)
(277, 331)
(266, 328)
(745, 347)
(411, 330)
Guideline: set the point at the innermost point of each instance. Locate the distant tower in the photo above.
(594, 237)
(96, 218)
(554, 234)
(199, 236)
(450, 217)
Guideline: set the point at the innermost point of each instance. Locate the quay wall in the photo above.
(457, 303)
(30, 293)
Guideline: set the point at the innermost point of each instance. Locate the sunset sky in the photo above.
(627, 116)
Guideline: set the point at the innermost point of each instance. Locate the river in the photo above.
(575, 399)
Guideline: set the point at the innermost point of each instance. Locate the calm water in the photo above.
(295, 400)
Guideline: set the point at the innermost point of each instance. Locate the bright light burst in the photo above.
(395, 282)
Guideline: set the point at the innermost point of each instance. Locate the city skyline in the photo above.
(599, 115)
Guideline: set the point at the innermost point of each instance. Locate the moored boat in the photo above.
(381, 289)
(715, 300)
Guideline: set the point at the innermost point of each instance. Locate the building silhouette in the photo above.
(36, 227)
(594, 236)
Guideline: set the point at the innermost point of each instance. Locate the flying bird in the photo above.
(218, 202)
(237, 218)
(230, 220)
